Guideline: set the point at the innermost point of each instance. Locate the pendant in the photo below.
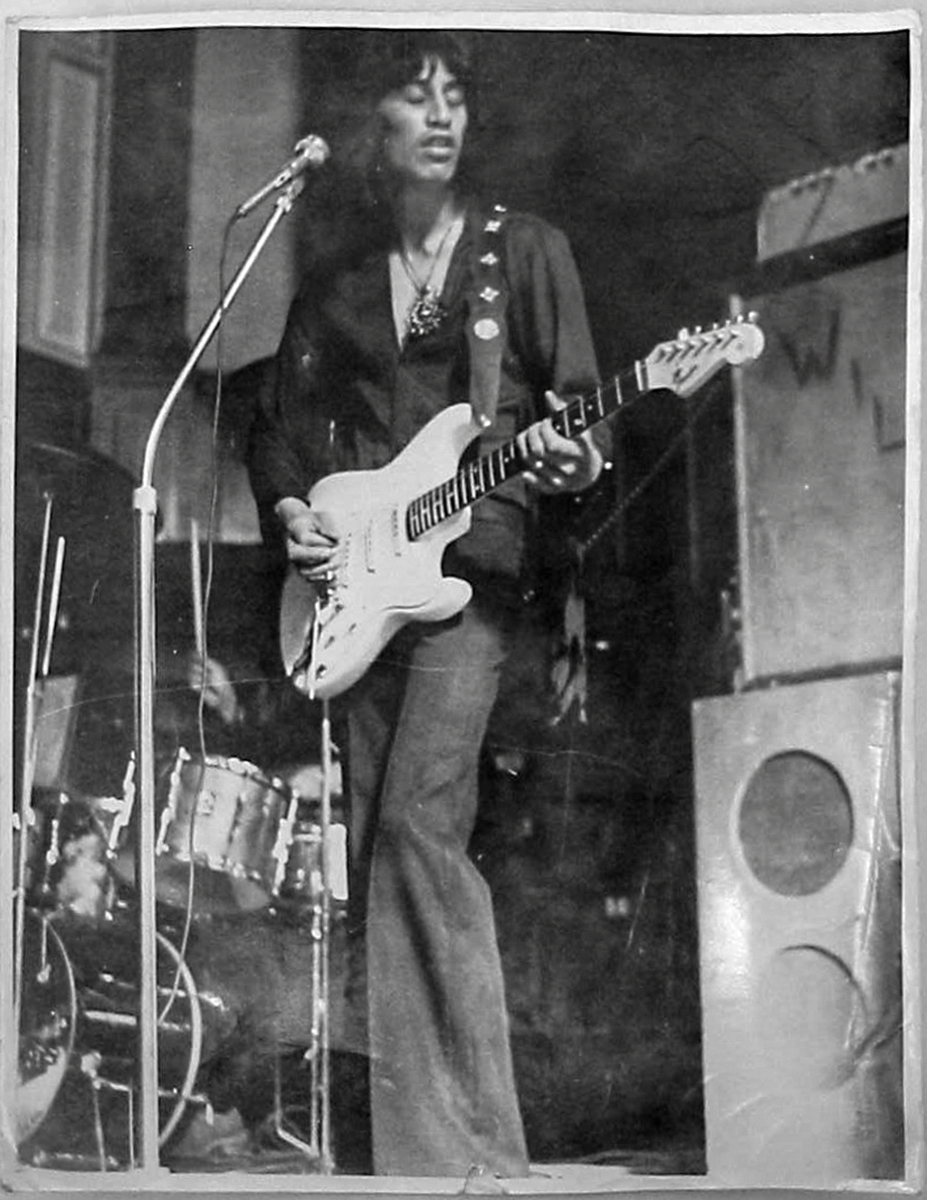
(426, 314)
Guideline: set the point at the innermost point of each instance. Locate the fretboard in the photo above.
(488, 472)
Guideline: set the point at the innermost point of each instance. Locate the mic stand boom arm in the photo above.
(144, 503)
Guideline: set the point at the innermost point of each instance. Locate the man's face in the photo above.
(425, 123)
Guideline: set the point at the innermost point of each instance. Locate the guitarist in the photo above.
(383, 335)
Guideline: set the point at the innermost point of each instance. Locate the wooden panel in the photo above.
(65, 146)
(820, 426)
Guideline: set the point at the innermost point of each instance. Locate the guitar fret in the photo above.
(660, 369)
(329, 660)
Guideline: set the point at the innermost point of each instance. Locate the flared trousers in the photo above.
(421, 929)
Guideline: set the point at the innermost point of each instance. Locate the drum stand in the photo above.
(24, 815)
(24, 818)
(318, 1149)
(144, 502)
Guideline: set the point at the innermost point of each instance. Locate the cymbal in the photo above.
(77, 476)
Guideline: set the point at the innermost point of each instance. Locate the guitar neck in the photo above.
(491, 470)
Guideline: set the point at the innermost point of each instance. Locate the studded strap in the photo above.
(486, 323)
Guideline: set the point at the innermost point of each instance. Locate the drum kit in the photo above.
(232, 839)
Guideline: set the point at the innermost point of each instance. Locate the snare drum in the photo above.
(229, 823)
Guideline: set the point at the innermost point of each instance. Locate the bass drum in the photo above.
(91, 1123)
(47, 1024)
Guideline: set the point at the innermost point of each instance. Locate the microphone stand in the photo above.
(144, 503)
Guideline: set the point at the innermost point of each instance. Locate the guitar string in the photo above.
(470, 481)
(582, 547)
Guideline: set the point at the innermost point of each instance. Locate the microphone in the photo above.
(311, 151)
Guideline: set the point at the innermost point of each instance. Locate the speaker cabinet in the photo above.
(819, 436)
(799, 882)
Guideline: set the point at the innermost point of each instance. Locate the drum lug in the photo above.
(283, 843)
(170, 809)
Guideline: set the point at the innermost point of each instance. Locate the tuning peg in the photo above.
(697, 330)
(682, 335)
(753, 316)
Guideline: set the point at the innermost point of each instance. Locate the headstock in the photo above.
(691, 359)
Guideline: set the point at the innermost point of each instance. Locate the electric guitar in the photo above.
(395, 523)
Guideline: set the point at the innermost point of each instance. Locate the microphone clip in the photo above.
(310, 151)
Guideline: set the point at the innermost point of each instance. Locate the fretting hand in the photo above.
(555, 463)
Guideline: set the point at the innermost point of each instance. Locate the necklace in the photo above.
(426, 313)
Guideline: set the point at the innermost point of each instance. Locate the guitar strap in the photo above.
(486, 322)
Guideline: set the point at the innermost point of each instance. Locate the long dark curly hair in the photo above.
(352, 210)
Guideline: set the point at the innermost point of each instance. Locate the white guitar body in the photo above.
(393, 525)
(384, 580)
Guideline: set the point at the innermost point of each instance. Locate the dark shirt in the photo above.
(348, 396)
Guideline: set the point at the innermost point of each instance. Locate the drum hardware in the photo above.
(302, 876)
(318, 874)
(310, 1148)
(90, 1065)
(121, 810)
(52, 855)
(28, 764)
(47, 1043)
(48, 1018)
(281, 850)
(24, 885)
(116, 815)
(99, 1064)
